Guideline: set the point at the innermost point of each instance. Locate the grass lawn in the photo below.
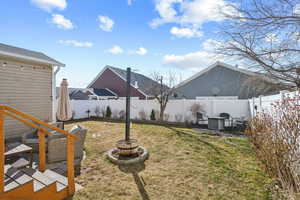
(183, 164)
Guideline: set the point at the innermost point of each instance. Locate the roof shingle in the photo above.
(8, 50)
(145, 84)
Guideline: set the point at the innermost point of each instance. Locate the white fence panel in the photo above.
(264, 103)
(176, 110)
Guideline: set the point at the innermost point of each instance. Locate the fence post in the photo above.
(184, 111)
(42, 151)
(70, 164)
(260, 101)
(253, 106)
(212, 107)
(2, 149)
(282, 95)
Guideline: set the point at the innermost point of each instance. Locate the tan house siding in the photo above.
(28, 87)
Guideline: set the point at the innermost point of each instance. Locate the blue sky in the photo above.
(86, 35)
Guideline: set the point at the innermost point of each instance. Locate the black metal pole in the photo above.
(127, 133)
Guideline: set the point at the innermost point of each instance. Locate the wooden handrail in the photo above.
(29, 123)
(29, 117)
(28, 120)
(2, 150)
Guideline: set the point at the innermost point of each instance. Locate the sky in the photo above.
(147, 35)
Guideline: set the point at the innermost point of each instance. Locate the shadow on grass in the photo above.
(134, 169)
(197, 138)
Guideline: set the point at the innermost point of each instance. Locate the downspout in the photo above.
(54, 93)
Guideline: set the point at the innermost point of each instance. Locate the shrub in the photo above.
(97, 111)
(88, 112)
(73, 114)
(275, 136)
(196, 108)
(187, 120)
(115, 114)
(103, 112)
(166, 117)
(108, 112)
(178, 117)
(122, 114)
(152, 115)
(156, 114)
(142, 115)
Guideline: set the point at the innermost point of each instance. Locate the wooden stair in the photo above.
(31, 184)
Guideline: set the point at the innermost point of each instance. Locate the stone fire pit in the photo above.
(115, 157)
(128, 151)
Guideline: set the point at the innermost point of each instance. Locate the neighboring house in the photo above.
(225, 81)
(114, 79)
(104, 94)
(89, 94)
(27, 82)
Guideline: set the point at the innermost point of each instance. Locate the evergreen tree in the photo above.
(108, 112)
(152, 116)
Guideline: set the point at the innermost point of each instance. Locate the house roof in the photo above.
(144, 83)
(74, 91)
(24, 54)
(104, 92)
(221, 64)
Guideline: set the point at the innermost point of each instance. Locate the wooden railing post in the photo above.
(42, 150)
(70, 164)
(2, 149)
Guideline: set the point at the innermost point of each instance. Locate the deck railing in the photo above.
(42, 131)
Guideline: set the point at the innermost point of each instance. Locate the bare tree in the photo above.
(163, 90)
(266, 35)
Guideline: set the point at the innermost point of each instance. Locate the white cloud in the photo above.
(48, 5)
(194, 61)
(185, 32)
(61, 22)
(130, 2)
(271, 37)
(191, 12)
(105, 23)
(166, 10)
(116, 50)
(297, 9)
(197, 60)
(211, 45)
(296, 36)
(76, 43)
(200, 11)
(141, 51)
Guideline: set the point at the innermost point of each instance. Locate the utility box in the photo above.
(216, 123)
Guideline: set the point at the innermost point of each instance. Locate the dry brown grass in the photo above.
(183, 165)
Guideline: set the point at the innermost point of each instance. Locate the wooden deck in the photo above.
(34, 184)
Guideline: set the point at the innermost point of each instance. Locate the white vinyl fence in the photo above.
(176, 110)
(180, 110)
(264, 103)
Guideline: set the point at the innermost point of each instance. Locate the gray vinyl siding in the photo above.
(28, 89)
(228, 82)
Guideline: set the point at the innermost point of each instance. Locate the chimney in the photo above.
(136, 84)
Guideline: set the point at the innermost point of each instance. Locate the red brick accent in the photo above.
(112, 81)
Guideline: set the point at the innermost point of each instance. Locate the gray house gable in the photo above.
(224, 80)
